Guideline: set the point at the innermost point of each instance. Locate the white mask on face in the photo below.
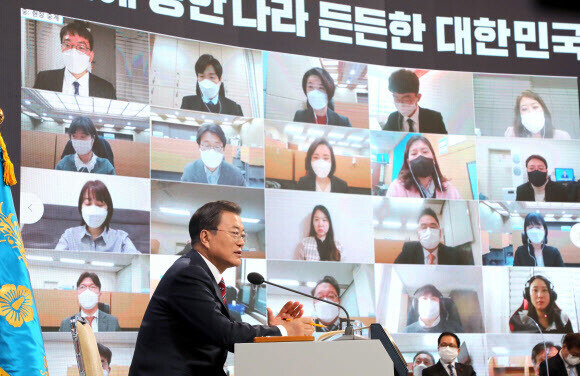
(209, 89)
(76, 62)
(94, 216)
(406, 109)
(573, 360)
(418, 369)
(88, 299)
(429, 237)
(448, 354)
(428, 309)
(105, 373)
(321, 168)
(536, 235)
(211, 158)
(326, 312)
(534, 121)
(317, 99)
(82, 147)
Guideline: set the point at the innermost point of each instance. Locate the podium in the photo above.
(376, 356)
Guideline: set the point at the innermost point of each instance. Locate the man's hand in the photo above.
(299, 327)
(291, 310)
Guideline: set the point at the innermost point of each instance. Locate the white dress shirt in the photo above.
(570, 369)
(415, 118)
(426, 256)
(446, 366)
(67, 84)
(89, 166)
(95, 323)
(327, 189)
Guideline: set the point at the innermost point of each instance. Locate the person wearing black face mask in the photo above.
(539, 186)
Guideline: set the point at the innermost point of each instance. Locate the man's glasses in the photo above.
(80, 47)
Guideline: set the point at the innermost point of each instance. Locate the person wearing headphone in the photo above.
(540, 306)
(534, 250)
(433, 317)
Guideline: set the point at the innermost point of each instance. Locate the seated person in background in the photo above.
(320, 244)
(89, 291)
(433, 317)
(409, 117)
(211, 168)
(82, 134)
(539, 354)
(209, 88)
(420, 175)
(422, 360)
(539, 186)
(106, 356)
(429, 249)
(448, 346)
(567, 361)
(533, 119)
(77, 46)
(327, 314)
(94, 234)
(319, 88)
(534, 250)
(320, 167)
(539, 305)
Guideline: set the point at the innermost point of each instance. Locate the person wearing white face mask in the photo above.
(82, 133)
(320, 165)
(210, 93)
(88, 293)
(567, 362)
(535, 251)
(77, 47)
(211, 168)
(106, 356)
(96, 209)
(409, 117)
(448, 345)
(327, 314)
(430, 250)
(422, 360)
(319, 87)
(433, 314)
(533, 119)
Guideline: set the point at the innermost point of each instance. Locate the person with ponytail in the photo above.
(534, 250)
(320, 245)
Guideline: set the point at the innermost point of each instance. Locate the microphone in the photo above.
(527, 320)
(257, 279)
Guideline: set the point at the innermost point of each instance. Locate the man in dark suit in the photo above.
(429, 250)
(89, 291)
(567, 361)
(409, 117)
(539, 354)
(77, 49)
(539, 186)
(187, 328)
(448, 345)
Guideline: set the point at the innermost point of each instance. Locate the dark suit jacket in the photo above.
(106, 322)
(555, 192)
(332, 118)
(195, 103)
(52, 80)
(438, 370)
(429, 122)
(187, 329)
(412, 253)
(556, 366)
(308, 183)
(552, 257)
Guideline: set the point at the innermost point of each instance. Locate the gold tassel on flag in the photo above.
(9, 176)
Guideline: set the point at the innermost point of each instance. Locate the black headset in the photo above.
(553, 294)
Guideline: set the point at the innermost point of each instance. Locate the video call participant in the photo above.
(420, 175)
(88, 293)
(327, 314)
(187, 328)
(539, 354)
(540, 305)
(212, 168)
(106, 356)
(319, 88)
(82, 134)
(320, 167)
(448, 345)
(209, 88)
(95, 234)
(429, 250)
(567, 362)
(409, 117)
(77, 47)
(539, 186)
(320, 244)
(534, 250)
(422, 360)
(533, 119)
(433, 316)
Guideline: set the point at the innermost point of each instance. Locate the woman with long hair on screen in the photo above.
(320, 167)
(318, 86)
(95, 207)
(532, 118)
(534, 250)
(320, 244)
(420, 175)
(540, 306)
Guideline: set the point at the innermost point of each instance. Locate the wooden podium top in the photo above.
(283, 339)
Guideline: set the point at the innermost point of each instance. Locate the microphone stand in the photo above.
(543, 341)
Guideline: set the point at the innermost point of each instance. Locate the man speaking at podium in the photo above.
(187, 329)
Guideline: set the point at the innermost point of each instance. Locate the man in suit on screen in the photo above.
(187, 328)
(567, 361)
(448, 347)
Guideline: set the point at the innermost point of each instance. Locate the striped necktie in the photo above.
(222, 286)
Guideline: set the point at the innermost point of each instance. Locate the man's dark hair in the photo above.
(93, 276)
(403, 81)
(430, 212)
(105, 352)
(428, 289)
(79, 28)
(426, 353)
(83, 124)
(539, 348)
(205, 60)
(209, 216)
(572, 341)
(536, 156)
(448, 334)
(327, 279)
(211, 128)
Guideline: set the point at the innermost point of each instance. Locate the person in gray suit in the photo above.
(211, 168)
(89, 291)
